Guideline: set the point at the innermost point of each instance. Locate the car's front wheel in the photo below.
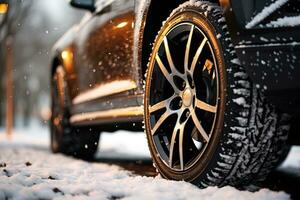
(205, 121)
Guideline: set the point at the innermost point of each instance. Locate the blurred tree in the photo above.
(34, 31)
(13, 11)
(3, 19)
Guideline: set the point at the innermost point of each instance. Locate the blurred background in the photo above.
(28, 30)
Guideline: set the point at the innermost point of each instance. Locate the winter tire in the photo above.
(205, 121)
(75, 141)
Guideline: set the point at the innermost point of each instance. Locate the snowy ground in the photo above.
(29, 171)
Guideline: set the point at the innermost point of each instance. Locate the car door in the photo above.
(103, 52)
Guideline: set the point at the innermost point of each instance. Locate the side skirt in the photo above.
(129, 114)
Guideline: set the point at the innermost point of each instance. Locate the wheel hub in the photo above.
(187, 97)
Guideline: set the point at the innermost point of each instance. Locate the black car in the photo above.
(213, 83)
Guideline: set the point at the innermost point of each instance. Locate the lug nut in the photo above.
(180, 103)
(187, 114)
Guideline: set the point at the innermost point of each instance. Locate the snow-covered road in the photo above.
(29, 171)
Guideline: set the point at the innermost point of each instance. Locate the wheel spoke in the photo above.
(160, 105)
(160, 122)
(172, 143)
(169, 57)
(196, 57)
(199, 127)
(165, 72)
(181, 134)
(205, 106)
(187, 50)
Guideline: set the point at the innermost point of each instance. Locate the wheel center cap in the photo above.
(187, 97)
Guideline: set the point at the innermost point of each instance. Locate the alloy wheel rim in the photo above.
(183, 98)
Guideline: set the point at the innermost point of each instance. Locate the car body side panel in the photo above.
(98, 57)
(269, 54)
(103, 53)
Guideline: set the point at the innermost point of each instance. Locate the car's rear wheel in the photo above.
(205, 121)
(64, 138)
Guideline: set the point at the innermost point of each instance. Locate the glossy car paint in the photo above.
(112, 44)
(97, 54)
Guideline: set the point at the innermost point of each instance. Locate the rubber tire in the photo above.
(80, 142)
(253, 133)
